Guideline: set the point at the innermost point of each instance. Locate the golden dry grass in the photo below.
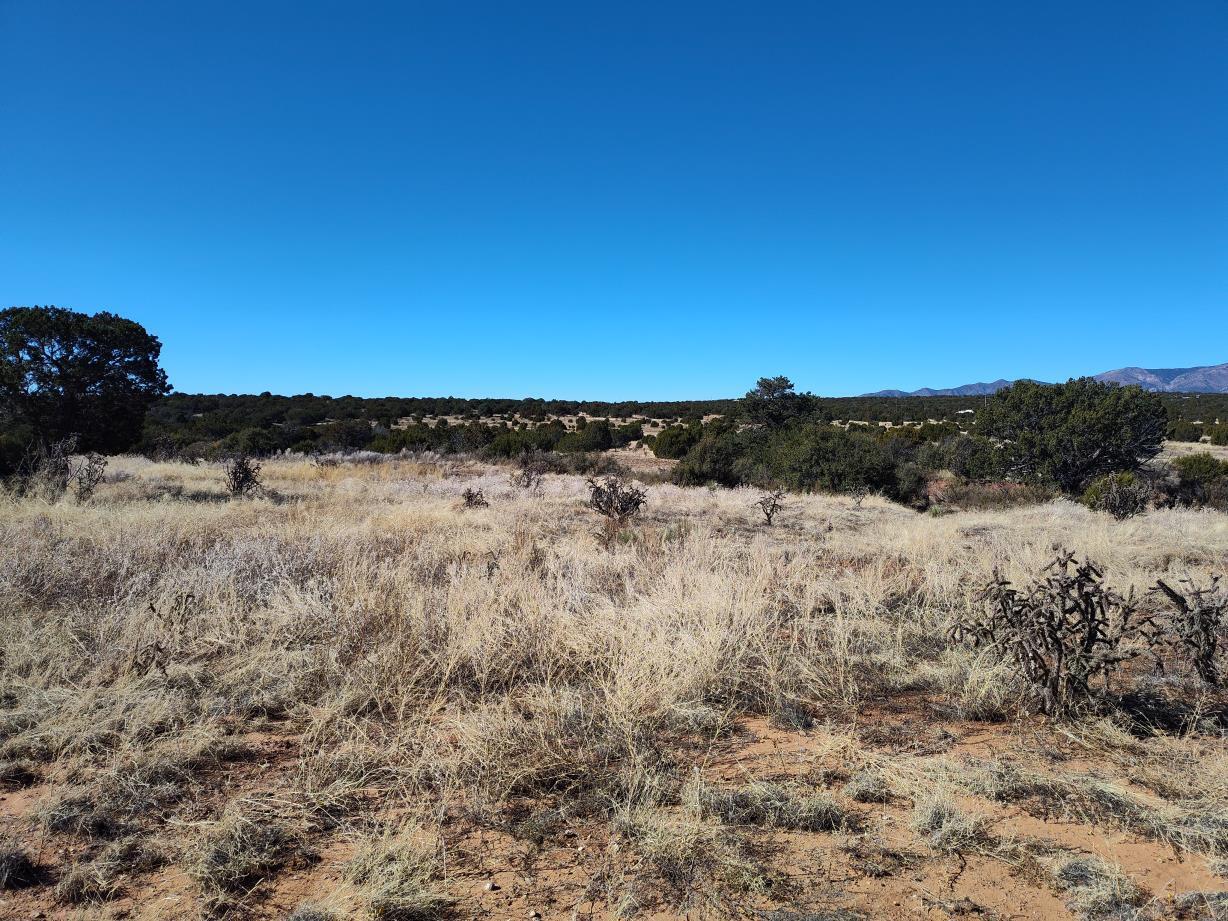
(354, 693)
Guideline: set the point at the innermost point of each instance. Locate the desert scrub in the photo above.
(1062, 634)
(869, 785)
(1122, 495)
(102, 873)
(502, 665)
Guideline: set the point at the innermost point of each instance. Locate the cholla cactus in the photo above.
(1066, 631)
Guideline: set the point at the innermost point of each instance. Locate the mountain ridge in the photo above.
(1197, 379)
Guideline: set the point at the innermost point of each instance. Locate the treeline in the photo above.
(75, 383)
(206, 425)
(1085, 439)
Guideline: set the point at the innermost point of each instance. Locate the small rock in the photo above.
(492, 887)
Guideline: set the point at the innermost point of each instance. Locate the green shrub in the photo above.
(1202, 468)
(1202, 479)
(1184, 430)
(674, 442)
(591, 436)
(715, 457)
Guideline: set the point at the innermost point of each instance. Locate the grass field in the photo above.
(352, 697)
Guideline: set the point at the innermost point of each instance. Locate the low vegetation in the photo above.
(347, 696)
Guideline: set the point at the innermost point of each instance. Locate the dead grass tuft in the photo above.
(397, 877)
(239, 851)
(1097, 890)
(769, 805)
(17, 868)
(947, 828)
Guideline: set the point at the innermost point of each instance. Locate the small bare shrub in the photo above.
(308, 911)
(769, 504)
(102, 876)
(1095, 889)
(617, 500)
(473, 498)
(242, 475)
(858, 494)
(529, 472)
(869, 785)
(85, 473)
(699, 866)
(1197, 620)
(17, 774)
(46, 469)
(1068, 629)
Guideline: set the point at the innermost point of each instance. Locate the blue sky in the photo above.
(623, 200)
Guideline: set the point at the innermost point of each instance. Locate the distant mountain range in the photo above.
(1204, 379)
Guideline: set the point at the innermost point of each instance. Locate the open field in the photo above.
(354, 697)
(1174, 449)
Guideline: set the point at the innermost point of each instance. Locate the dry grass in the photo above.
(354, 654)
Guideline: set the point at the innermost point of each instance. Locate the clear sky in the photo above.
(623, 199)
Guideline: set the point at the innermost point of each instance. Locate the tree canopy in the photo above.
(774, 403)
(64, 373)
(1069, 434)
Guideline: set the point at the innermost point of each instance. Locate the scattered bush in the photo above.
(616, 500)
(85, 473)
(46, 469)
(676, 440)
(1067, 630)
(869, 785)
(1183, 430)
(395, 877)
(308, 911)
(969, 495)
(473, 498)
(946, 827)
(1122, 495)
(770, 805)
(1096, 890)
(1202, 479)
(242, 475)
(769, 505)
(699, 866)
